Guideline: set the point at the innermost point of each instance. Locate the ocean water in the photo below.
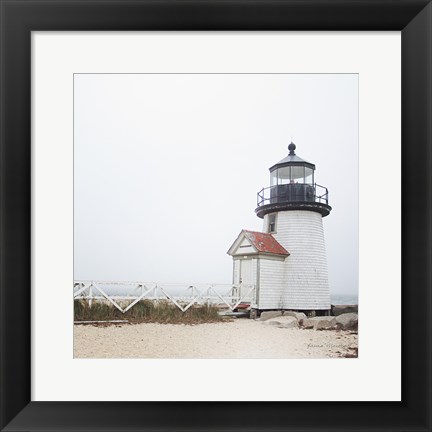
(344, 299)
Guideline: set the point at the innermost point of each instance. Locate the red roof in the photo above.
(264, 242)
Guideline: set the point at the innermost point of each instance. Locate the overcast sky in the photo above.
(167, 167)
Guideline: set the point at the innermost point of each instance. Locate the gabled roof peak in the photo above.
(261, 242)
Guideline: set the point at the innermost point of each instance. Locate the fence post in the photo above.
(90, 295)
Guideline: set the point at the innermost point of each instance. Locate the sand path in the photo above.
(241, 338)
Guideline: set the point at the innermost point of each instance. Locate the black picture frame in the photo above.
(19, 18)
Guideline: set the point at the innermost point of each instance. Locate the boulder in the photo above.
(347, 321)
(300, 316)
(282, 322)
(337, 310)
(272, 322)
(320, 323)
(266, 315)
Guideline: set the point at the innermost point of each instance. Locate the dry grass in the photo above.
(146, 311)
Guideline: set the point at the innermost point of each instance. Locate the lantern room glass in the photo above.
(273, 178)
(292, 174)
(309, 176)
(297, 174)
(283, 175)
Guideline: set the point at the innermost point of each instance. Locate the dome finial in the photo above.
(291, 149)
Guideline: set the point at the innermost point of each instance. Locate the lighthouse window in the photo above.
(271, 223)
(284, 175)
(298, 174)
(308, 175)
(273, 178)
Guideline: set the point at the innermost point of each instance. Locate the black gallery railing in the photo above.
(292, 192)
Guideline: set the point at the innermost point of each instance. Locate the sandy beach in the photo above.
(241, 338)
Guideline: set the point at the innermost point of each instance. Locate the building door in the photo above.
(246, 277)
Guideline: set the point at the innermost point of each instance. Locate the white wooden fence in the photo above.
(230, 296)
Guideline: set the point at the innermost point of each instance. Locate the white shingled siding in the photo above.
(271, 284)
(301, 281)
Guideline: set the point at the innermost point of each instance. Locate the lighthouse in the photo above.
(286, 262)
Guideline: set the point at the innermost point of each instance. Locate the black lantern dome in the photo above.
(293, 187)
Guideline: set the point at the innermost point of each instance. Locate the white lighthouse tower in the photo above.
(287, 262)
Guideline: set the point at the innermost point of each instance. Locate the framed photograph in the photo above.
(211, 210)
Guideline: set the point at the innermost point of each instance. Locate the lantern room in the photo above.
(292, 186)
(292, 170)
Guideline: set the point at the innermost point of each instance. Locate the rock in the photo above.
(266, 315)
(325, 325)
(272, 322)
(308, 323)
(347, 321)
(337, 310)
(300, 316)
(283, 322)
(320, 323)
